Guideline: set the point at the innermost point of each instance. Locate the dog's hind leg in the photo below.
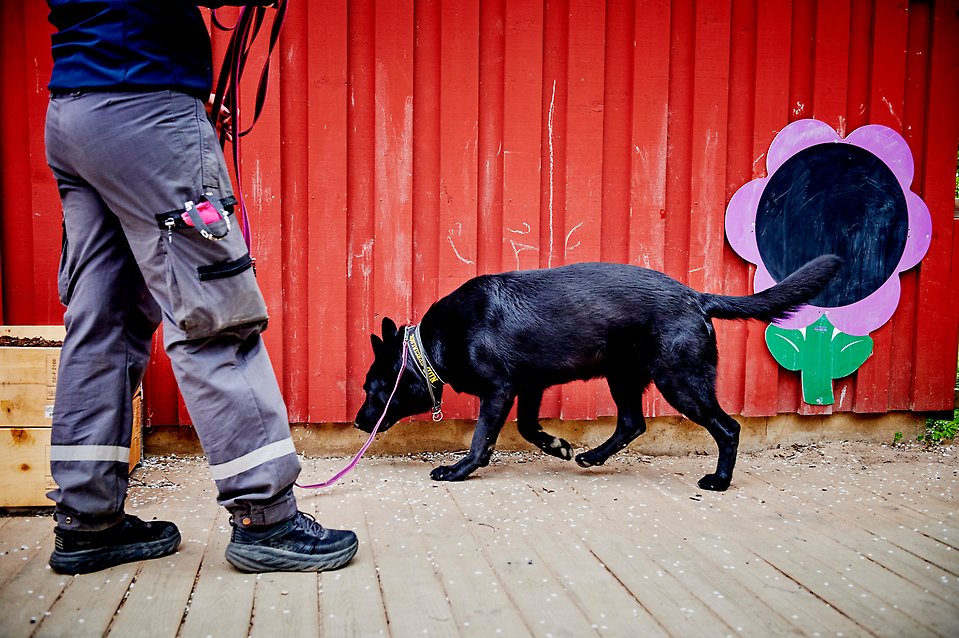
(630, 423)
(527, 421)
(695, 397)
(494, 409)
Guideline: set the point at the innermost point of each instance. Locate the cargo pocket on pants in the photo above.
(211, 283)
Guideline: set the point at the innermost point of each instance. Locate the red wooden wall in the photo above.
(408, 145)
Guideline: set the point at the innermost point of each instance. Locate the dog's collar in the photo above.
(422, 364)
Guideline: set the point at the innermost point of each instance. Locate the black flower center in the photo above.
(840, 199)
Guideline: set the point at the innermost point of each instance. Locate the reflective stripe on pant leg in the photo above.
(94, 453)
(253, 459)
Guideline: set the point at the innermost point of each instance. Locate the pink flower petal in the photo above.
(796, 137)
(890, 147)
(920, 232)
(741, 219)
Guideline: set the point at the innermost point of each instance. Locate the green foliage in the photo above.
(939, 431)
(896, 437)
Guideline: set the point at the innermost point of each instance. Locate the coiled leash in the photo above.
(356, 459)
(227, 91)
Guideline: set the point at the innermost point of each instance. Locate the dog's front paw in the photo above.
(448, 473)
(714, 482)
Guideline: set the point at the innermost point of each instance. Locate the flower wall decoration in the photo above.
(827, 194)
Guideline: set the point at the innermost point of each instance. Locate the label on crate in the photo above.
(53, 364)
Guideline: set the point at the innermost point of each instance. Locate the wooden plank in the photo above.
(936, 335)
(584, 166)
(21, 539)
(731, 335)
(222, 600)
(650, 118)
(540, 595)
(609, 606)
(618, 88)
(326, 138)
(709, 123)
(27, 596)
(881, 385)
(772, 108)
(710, 142)
(457, 553)
(891, 588)
(427, 88)
(28, 385)
(291, 102)
(41, 210)
(414, 600)
(716, 572)
(167, 491)
(779, 541)
(830, 68)
(25, 467)
(88, 603)
(659, 578)
(360, 194)
(392, 161)
(286, 604)
(522, 135)
(682, 83)
(458, 113)
(16, 243)
(489, 142)
(802, 92)
(351, 602)
(554, 108)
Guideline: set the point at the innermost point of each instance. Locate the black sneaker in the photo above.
(299, 544)
(128, 541)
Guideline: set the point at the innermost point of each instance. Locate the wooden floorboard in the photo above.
(821, 540)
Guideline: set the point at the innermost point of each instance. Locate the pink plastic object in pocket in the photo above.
(207, 213)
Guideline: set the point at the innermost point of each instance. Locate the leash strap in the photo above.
(356, 459)
(244, 33)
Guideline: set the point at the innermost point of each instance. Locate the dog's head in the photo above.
(411, 396)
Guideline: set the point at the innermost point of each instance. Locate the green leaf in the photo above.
(786, 346)
(848, 353)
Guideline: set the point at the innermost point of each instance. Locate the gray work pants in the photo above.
(120, 159)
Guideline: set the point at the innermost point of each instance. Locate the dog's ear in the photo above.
(379, 348)
(389, 329)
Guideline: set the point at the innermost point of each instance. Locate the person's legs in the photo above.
(162, 152)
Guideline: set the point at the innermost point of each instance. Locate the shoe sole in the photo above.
(254, 559)
(94, 560)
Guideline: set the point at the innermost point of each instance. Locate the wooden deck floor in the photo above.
(837, 539)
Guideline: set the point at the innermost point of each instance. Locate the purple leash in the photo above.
(356, 459)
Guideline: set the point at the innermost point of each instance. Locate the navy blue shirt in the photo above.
(132, 45)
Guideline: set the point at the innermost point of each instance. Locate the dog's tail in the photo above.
(782, 299)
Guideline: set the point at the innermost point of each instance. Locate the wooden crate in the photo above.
(25, 467)
(28, 375)
(28, 378)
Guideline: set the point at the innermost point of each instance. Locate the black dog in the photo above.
(512, 335)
